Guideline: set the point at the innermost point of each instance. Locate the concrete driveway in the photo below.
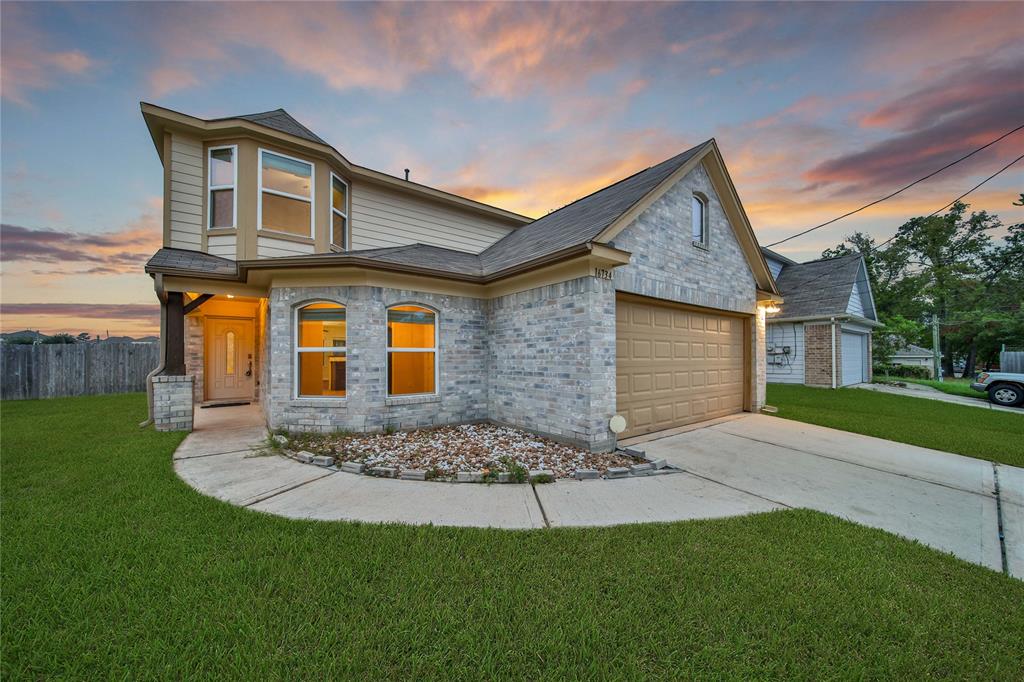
(742, 465)
(922, 391)
(943, 500)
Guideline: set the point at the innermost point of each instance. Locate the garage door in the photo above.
(854, 352)
(676, 366)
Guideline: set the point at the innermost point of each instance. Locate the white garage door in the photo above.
(855, 353)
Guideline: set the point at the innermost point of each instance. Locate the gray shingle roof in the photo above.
(818, 288)
(581, 221)
(913, 350)
(281, 120)
(191, 261)
(768, 253)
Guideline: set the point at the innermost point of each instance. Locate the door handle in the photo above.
(248, 372)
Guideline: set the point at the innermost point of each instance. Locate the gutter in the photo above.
(162, 296)
(814, 318)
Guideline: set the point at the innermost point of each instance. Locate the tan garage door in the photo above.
(675, 365)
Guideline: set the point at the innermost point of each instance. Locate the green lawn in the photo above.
(114, 568)
(951, 386)
(973, 431)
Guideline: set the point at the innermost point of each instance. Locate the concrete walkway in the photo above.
(750, 464)
(922, 391)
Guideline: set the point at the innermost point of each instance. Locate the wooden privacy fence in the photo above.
(56, 370)
(1011, 361)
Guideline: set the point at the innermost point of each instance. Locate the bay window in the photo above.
(412, 350)
(222, 177)
(320, 354)
(286, 194)
(339, 212)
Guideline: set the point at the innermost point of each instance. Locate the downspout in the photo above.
(833, 330)
(162, 296)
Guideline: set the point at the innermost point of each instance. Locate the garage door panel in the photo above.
(676, 366)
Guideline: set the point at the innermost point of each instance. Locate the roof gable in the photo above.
(282, 121)
(819, 288)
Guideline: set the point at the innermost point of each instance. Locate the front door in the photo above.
(229, 359)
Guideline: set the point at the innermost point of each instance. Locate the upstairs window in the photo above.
(286, 194)
(320, 350)
(699, 220)
(339, 212)
(412, 350)
(222, 176)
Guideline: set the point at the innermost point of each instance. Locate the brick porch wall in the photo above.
(194, 339)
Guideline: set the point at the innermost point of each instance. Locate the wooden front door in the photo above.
(230, 365)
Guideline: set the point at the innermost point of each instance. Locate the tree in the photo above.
(62, 337)
(897, 333)
(83, 336)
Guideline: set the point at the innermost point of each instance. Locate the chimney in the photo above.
(406, 174)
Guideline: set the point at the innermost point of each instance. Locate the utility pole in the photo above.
(936, 349)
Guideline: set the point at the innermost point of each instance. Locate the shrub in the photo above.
(907, 371)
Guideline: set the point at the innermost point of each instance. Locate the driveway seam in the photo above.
(999, 520)
(289, 489)
(864, 466)
(543, 514)
(741, 490)
(212, 454)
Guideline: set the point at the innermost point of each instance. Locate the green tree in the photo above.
(62, 337)
(895, 335)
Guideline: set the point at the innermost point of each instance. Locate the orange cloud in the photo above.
(29, 62)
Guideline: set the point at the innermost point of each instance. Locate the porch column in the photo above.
(173, 405)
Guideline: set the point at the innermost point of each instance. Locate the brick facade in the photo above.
(195, 354)
(818, 353)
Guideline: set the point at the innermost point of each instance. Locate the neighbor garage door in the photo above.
(675, 365)
(854, 360)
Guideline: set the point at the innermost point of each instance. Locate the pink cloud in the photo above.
(31, 62)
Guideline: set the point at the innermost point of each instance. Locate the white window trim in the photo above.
(311, 198)
(296, 393)
(434, 350)
(210, 187)
(705, 237)
(343, 214)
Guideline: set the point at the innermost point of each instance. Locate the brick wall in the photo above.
(818, 353)
(194, 354)
(172, 403)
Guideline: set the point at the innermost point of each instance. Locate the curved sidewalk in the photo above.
(221, 459)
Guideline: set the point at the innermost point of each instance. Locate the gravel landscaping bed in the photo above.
(444, 451)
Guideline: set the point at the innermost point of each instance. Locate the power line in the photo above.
(902, 189)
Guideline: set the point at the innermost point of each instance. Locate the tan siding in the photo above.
(382, 218)
(186, 195)
(272, 248)
(222, 245)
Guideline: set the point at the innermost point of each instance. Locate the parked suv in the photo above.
(1003, 388)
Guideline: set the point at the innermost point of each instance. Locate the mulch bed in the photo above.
(444, 451)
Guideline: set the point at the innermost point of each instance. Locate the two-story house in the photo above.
(340, 297)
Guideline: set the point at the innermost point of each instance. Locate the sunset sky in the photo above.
(817, 109)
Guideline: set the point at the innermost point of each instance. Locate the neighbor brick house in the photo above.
(821, 334)
(340, 297)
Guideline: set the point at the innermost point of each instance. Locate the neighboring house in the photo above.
(914, 356)
(821, 334)
(24, 336)
(339, 297)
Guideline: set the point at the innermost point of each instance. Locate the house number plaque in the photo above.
(601, 273)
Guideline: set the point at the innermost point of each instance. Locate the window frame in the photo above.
(704, 227)
(210, 187)
(261, 189)
(348, 198)
(391, 349)
(297, 349)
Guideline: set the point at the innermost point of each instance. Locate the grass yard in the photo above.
(114, 568)
(972, 431)
(951, 386)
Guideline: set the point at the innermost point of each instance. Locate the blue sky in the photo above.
(818, 108)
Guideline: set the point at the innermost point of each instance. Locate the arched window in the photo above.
(412, 350)
(699, 219)
(320, 350)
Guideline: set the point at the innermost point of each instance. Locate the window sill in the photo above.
(286, 236)
(221, 231)
(702, 246)
(307, 401)
(412, 400)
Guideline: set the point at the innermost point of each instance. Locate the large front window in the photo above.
(412, 350)
(222, 176)
(320, 350)
(286, 194)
